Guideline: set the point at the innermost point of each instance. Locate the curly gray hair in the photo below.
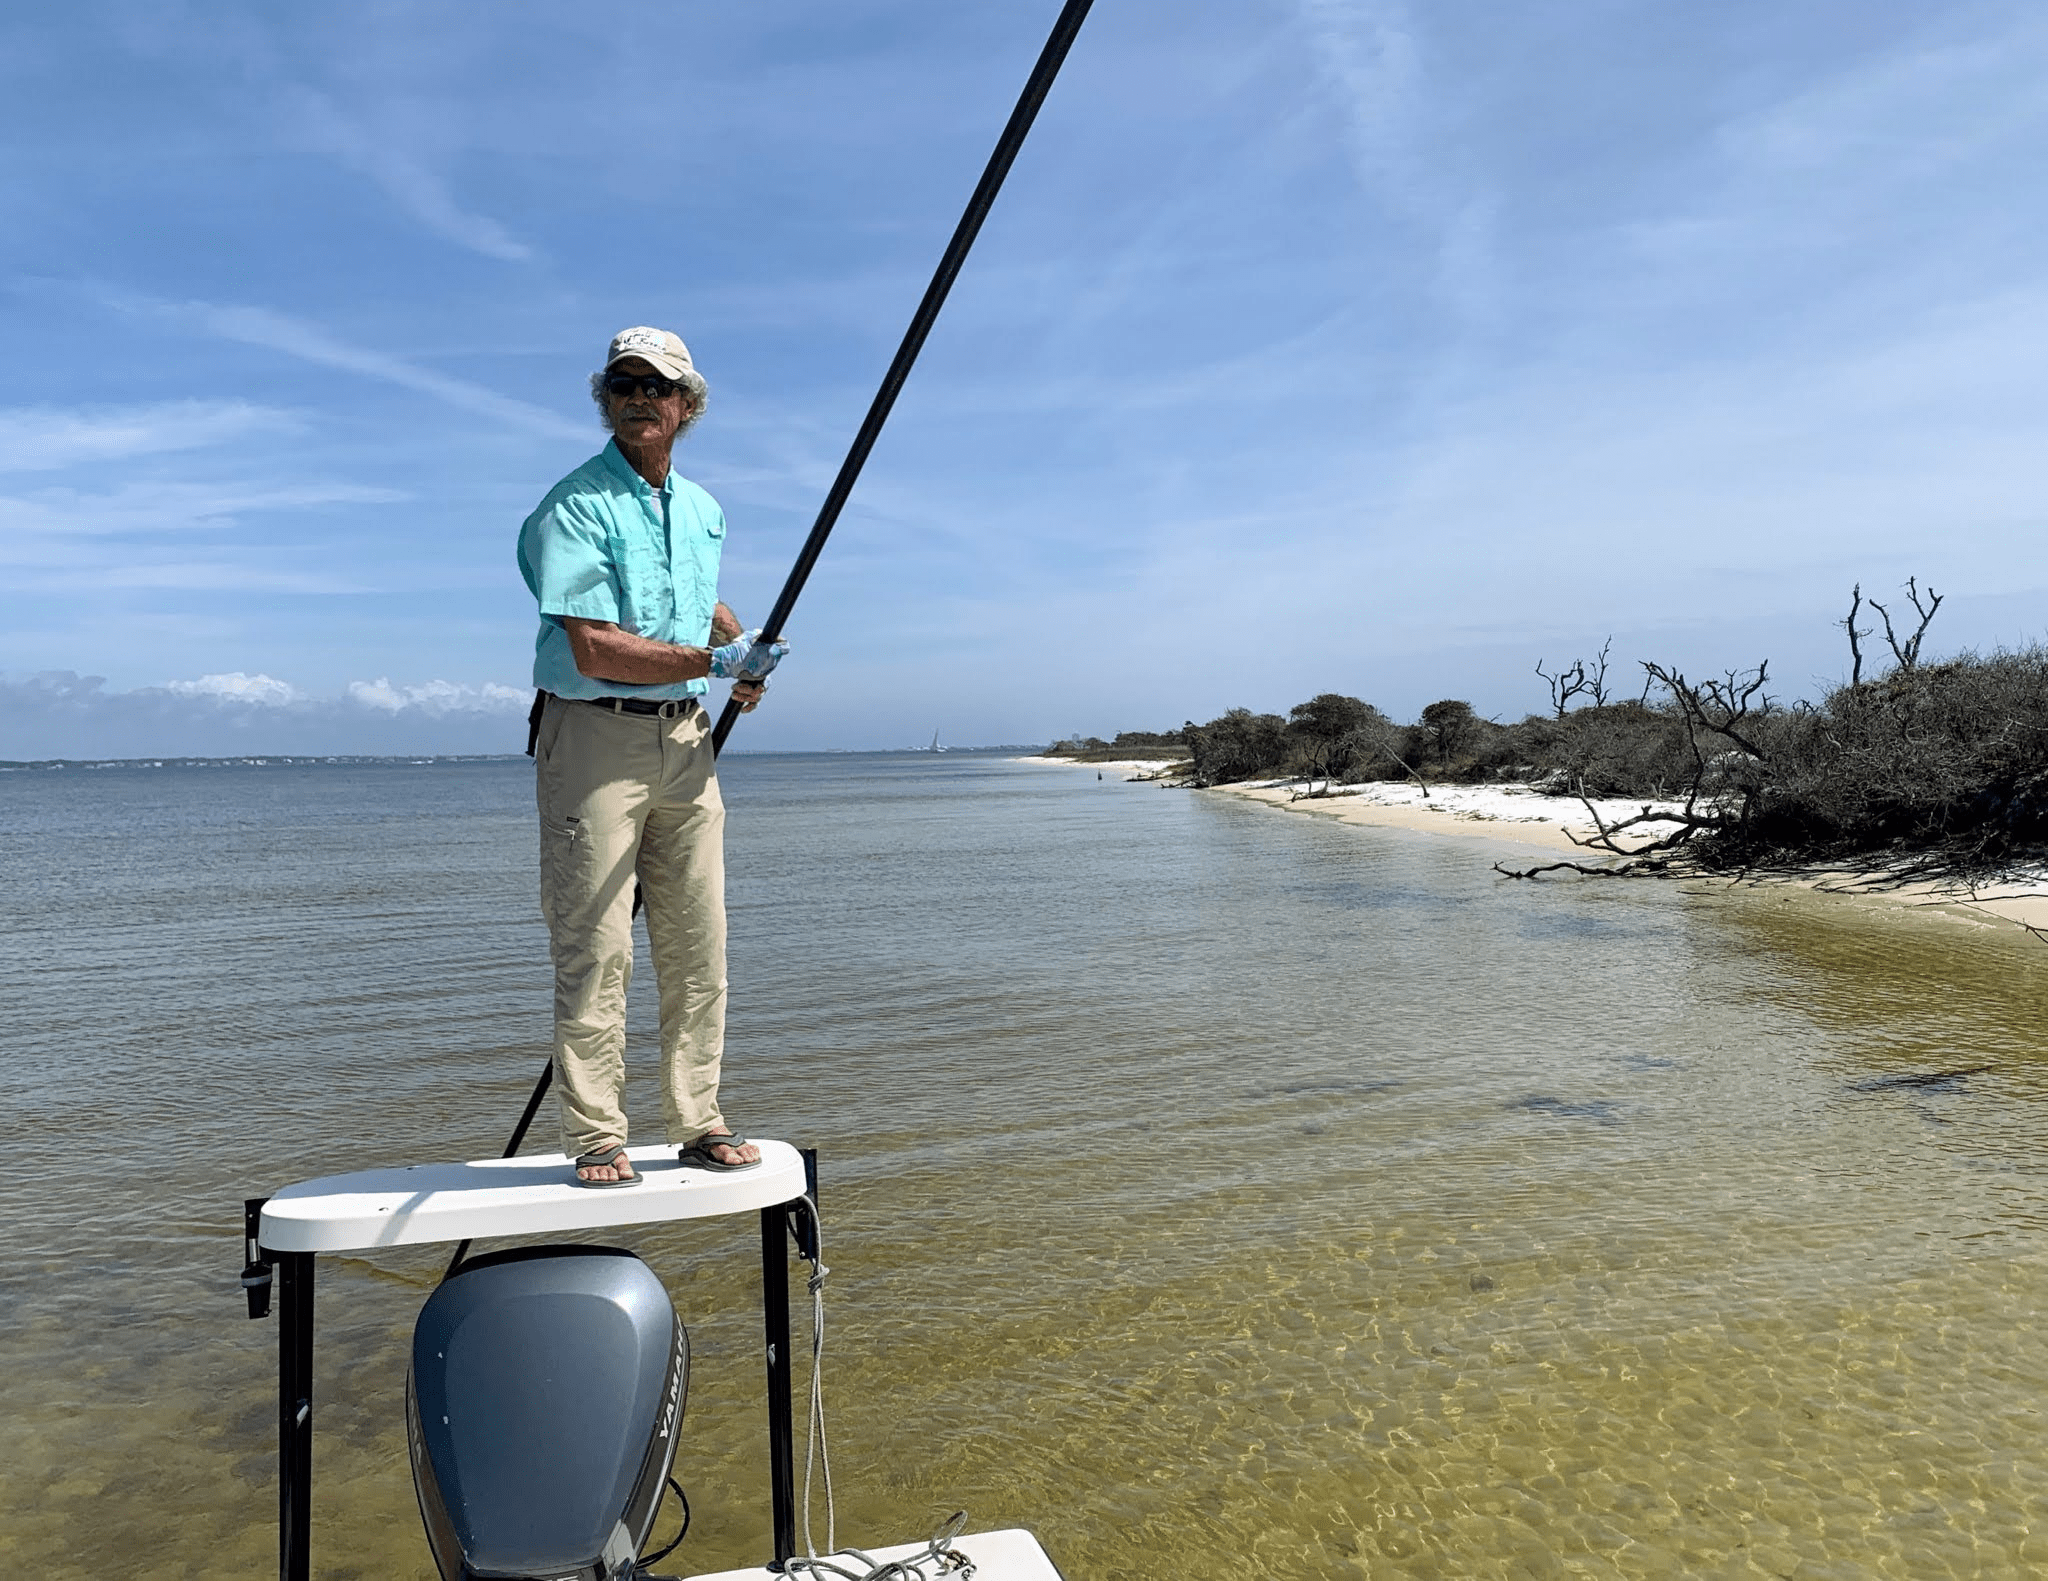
(693, 386)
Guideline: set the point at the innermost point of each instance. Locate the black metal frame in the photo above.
(780, 1223)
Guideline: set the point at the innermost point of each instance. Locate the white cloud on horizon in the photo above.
(439, 697)
(237, 687)
(62, 714)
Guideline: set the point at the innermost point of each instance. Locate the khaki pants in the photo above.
(624, 795)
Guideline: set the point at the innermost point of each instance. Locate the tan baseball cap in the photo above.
(664, 351)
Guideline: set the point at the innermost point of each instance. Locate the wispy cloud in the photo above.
(66, 541)
(1367, 50)
(309, 342)
(151, 509)
(50, 438)
(212, 576)
(1892, 171)
(1911, 110)
(409, 183)
(1370, 57)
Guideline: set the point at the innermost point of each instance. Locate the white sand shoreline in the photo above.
(1521, 815)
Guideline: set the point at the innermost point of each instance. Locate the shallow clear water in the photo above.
(1209, 1189)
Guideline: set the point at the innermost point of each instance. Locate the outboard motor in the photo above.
(543, 1405)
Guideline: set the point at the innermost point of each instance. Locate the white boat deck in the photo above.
(1012, 1555)
(420, 1204)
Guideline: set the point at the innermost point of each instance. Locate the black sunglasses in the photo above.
(645, 384)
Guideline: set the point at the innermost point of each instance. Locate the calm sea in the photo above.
(1212, 1190)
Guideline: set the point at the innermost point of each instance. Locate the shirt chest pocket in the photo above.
(696, 579)
(647, 600)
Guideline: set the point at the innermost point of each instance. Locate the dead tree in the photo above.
(1856, 635)
(1577, 680)
(1386, 745)
(1596, 684)
(1711, 708)
(1908, 652)
(1717, 708)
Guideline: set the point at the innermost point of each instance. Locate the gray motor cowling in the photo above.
(543, 1405)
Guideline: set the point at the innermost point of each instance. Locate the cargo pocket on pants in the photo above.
(563, 843)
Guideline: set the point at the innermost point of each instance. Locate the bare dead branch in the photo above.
(1627, 870)
(1688, 821)
(1908, 652)
(1565, 685)
(1718, 706)
(1855, 635)
(1577, 680)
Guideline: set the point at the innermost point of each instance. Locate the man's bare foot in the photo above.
(718, 1149)
(605, 1166)
(745, 1153)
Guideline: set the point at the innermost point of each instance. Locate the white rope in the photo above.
(816, 1448)
(937, 1550)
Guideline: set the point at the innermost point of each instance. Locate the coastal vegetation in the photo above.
(1925, 767)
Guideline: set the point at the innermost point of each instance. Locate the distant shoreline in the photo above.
(254, 760)
(1519, 815)
(368, 759)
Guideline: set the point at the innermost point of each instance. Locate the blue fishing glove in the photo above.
(747, 658)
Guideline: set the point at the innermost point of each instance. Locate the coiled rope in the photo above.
(937, 1553)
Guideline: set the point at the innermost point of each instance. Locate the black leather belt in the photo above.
(657, 707)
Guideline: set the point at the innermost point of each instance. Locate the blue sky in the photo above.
(1314, 345)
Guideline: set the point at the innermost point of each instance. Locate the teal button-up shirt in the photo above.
(605, 546)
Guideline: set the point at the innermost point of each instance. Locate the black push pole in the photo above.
(1035, 89)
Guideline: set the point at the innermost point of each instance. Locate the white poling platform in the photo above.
(1012, 1555)
(420, 1204)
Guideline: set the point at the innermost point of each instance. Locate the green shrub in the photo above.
(1950, 757)
(1241, 745)
(1623, 749)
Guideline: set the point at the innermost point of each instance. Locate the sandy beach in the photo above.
(1524, 816)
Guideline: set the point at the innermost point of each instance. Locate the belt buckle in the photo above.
(671, 708)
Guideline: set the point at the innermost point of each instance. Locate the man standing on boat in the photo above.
(623, 558)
